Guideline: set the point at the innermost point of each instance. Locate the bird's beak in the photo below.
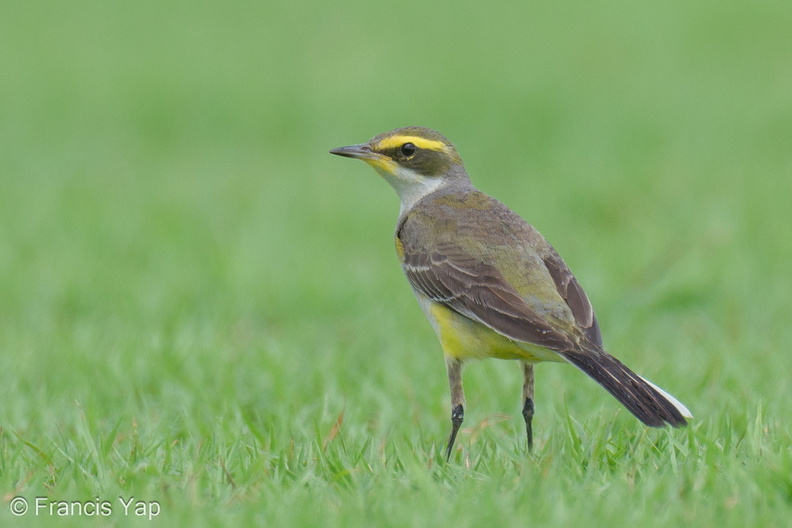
(361, 151)
(380, 162)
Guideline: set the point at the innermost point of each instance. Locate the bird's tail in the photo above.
(648, 402)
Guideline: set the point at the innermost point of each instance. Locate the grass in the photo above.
(200, 307)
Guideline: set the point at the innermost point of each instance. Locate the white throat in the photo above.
(411, 186)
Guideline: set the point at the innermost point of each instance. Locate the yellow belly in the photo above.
(463, 338)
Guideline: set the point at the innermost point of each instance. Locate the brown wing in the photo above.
(569, 288)
(475, 288)
(477, 291)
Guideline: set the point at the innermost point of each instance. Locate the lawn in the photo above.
(202, 316)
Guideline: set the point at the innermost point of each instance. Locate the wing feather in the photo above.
(571, 291)
(477, 290)
(472, 281)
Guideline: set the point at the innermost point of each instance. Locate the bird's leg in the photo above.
(454, 367)
(528, 403)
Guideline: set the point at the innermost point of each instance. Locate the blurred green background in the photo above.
(193, 292)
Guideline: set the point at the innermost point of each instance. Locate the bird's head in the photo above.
(414, 160)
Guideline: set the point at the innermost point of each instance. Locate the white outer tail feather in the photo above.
(676, 403)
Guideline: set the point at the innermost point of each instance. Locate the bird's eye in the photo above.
(408, 149)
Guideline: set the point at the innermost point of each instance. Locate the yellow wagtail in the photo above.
(489, 283)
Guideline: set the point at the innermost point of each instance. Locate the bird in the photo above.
(490, 284)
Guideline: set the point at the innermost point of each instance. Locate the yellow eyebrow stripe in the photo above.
(418, 141)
